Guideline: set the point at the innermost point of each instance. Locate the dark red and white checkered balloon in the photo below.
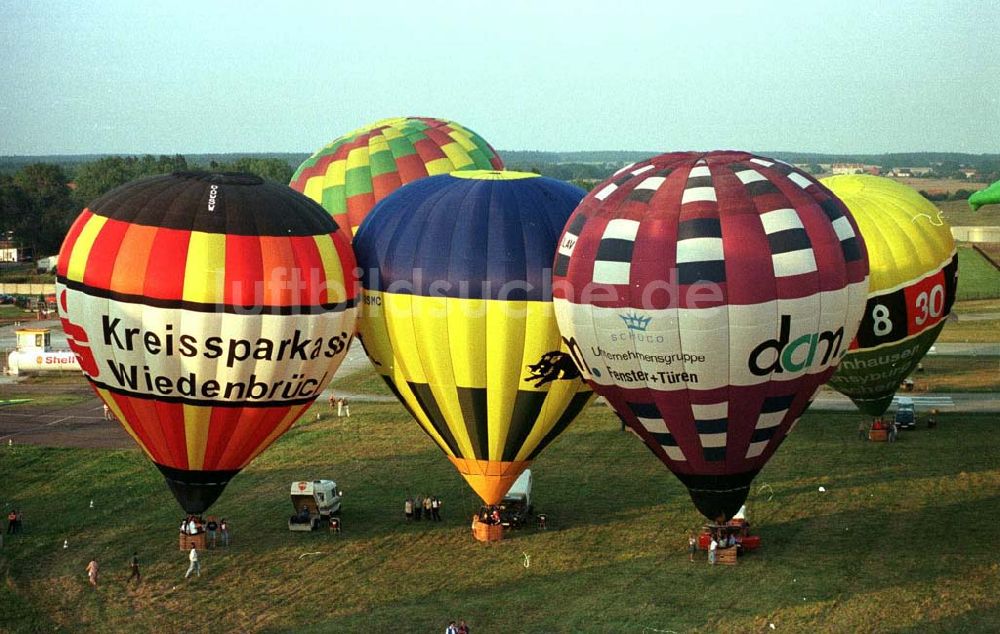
(707, 297)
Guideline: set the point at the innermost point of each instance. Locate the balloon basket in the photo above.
(487, 532)
(187, 541)
(737, 528)
(878, 435)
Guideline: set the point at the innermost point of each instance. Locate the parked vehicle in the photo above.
(906, 417)
(314, 502)
(516, 506)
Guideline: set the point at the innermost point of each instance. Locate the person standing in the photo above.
(92, 572)
(212, 527)
(427, 508)
(408, 509)
(418, 508)
(11, 521)
(462, 627)
(692, 546)
(711, 550)
(340, 407)
(347, 407)
(195, 564)
(436, 508)
(451, 629)
(134, 567)
(224, 529)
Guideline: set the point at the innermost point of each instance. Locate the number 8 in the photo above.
(883, 325)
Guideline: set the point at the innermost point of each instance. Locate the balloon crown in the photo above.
(221, 178)
(634, 321)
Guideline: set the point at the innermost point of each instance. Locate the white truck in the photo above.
(516, 506)
(315, 502)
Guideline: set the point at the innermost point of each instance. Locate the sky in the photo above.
(845, 76)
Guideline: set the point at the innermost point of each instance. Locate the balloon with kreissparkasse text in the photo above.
(208, 312)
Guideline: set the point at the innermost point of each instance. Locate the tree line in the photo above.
(39, 202)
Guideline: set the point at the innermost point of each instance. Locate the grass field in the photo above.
(959, 214)
(977, 277)
(367, 382)
(939, 184)
(901, 541)
(991, 250)
(959, 374)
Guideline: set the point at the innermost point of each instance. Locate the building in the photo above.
(910, 172)
(9, 251)
(855, 168)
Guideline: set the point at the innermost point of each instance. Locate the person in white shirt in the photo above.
(711, 550)
(195, 564)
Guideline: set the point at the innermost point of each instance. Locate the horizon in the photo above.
(845, 79)
(650, 153)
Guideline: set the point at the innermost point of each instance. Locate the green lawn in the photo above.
(977, 278)
(958, 374)
(901, 540)
(366, 381)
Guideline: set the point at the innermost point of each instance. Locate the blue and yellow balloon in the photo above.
(457, 316)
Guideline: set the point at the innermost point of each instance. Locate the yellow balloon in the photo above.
(913, 277)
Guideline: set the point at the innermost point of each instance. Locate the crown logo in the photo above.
(636, 322)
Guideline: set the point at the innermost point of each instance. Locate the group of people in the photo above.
(422, 506)
(193, 525)
(721, 540)
(93, 568)
(342, 405)
(13, 522)
(892, 429)
(460, 628)
(489, 515)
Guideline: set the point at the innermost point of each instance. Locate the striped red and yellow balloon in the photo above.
(355, 171)
(208, 312)
(707, 297)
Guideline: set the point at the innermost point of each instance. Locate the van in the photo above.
(906, 417)
(516, 506)
(314, 502)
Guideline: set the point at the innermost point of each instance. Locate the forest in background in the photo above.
(40, 196)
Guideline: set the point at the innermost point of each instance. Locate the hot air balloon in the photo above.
(914, 275)
(457, 316)
(707, 297)
(208, 312)
(357, 170)
(987, 196)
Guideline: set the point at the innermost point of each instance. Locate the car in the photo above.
(906, 417)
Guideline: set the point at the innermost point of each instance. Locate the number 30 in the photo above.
(930, 306)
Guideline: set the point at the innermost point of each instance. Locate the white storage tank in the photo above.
(34, 354)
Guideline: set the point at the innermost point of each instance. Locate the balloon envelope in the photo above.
(707, 297)
(914, 275)
(987, 196)
(457, 316)
(357, 170)
(208, 312)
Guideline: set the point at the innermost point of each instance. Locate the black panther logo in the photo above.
(552, 366)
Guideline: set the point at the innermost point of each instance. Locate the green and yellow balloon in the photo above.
(914, 275)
